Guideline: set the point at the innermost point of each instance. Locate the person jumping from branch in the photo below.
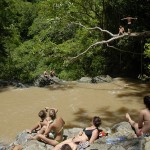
(129, 20)
(143, 125)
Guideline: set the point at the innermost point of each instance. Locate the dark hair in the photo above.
(42, 114)
(54, 114)
(147, 101)
(66, 147)
(97, 121)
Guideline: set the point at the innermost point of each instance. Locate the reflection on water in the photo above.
(77, 104)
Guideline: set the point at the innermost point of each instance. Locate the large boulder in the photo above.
(120, 137)
(85, 80)
(97, 79)
(102, 78)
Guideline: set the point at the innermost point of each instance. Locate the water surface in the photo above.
(77, 104)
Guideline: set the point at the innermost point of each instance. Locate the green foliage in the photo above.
(17, 16)
(71, 74)
(147, 55)
(147, 48)
(38, 35)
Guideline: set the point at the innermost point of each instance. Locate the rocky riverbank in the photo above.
(120, 137)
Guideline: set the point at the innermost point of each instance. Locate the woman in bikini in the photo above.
(89, 134)
(143, 125)
(45, 120)
(55, 126)
(45, 126)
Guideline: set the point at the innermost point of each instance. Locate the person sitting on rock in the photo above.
(46, 74)
(85, 137)
(52, 73)
(56, 126)
(45, 120)
(143, 125)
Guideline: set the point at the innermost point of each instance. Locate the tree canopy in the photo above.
(38, 35)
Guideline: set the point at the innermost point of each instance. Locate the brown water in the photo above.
(76, 103)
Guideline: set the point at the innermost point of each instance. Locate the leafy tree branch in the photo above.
(112, 38)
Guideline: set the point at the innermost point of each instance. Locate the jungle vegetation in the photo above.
(38, 35)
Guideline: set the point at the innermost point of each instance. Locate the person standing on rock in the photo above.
(143, 125)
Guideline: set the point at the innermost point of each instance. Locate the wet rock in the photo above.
(3, 83)
(147, 145)
(120, 137)
(97, 79)
(103, 78)
(85, 80)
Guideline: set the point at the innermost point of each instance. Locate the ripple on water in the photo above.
(77, 104)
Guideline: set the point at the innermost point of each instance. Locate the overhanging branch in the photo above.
(113, 37)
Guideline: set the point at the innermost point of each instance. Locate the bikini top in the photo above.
(89, 132)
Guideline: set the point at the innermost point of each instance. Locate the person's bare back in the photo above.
(143, 125)
(145, 120)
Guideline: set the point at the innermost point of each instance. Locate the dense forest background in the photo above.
(38, 35)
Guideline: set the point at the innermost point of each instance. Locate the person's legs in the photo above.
(47, 140)
(44, 139)
(129, 28)
(17, 147)
(129, 31)
(132, 123)
(42, 130)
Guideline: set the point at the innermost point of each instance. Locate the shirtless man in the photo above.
(143, 125)
(129, 20)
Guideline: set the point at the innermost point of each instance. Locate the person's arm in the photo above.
(63, 121)
(123, 18)
(141, 119)
(56, 110)
(80, 133)
(48, 129)
(38, 125)
(94, 136)
(133, 18)
(48, 109)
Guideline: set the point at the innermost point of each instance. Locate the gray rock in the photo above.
(121, 137)
(103, 78)
(85, 80)
(147, 145)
